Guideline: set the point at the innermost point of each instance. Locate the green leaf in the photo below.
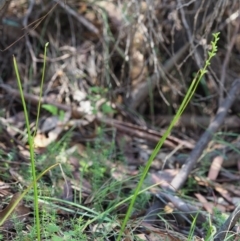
(61, 115)
(51, 108)
(107, 109)
(95, 89)
(52, 228)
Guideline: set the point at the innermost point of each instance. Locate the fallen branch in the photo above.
(194, 121)
(182, 176)
(144, 133)
(35, 100)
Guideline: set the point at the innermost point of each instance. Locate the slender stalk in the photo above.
(31, 141)
(31, 147)
(41, 86)
(182, 107)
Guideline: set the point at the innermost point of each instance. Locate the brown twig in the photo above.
(81, 19)
(225, 63)
(27, 40)
(194, 121)
(182, 176)
(190, 35)
(4, 4)
(144, 133)
(189, 211)
(35, 99)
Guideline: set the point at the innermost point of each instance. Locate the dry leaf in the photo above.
(21, 212)
(215, 167)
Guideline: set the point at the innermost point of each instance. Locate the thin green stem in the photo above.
(41, 87)
(31, 141)
(31, 146)
(182, 107)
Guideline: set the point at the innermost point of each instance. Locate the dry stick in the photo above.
(190, 35)
(225, 63)
(228, 225)
(4, 4)
(38, 22)
(141, 92)
(147, 134)
(193, 121)
(189, 210)
(162, 201)
(182, 176)
(35, 100)
(27, 40)
(81, 19)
